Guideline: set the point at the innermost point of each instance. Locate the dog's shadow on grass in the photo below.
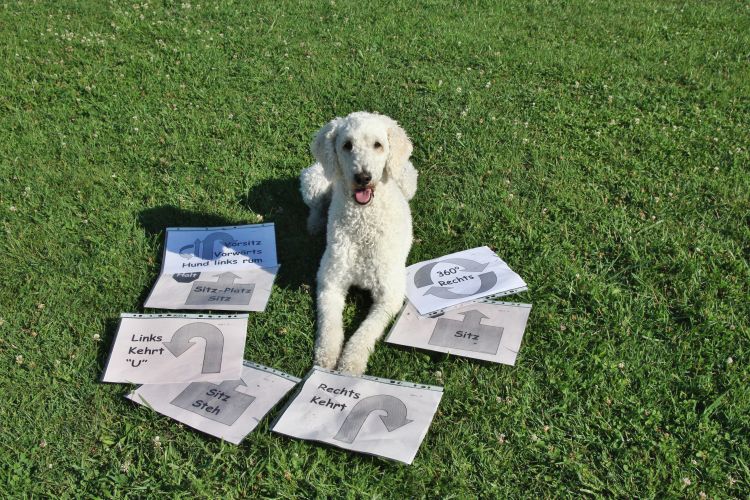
(275, 200)
(279, 201)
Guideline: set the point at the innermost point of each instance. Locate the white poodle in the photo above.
(364, 179)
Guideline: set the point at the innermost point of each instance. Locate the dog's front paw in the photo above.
(353, 364)
(326, 358)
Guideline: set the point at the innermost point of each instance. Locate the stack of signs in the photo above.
(216, 268)
(448, 310)
(194, 372)
(371, 415)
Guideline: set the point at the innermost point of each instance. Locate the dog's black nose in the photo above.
(363, 178)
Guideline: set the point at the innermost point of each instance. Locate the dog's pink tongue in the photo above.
(363, 195)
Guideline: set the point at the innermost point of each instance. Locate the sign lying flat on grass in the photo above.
(229, 410)
(172, 348)
(217, 268)
(371, 415)
(491, 331)
(435, 285)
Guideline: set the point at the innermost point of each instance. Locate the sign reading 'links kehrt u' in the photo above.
(172, 348)
(217, 268)
(371, 415)
(435, 285)
(229, 409)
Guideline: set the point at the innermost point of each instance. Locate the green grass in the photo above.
(601, 148)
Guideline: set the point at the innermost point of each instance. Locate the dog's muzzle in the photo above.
(364, 195)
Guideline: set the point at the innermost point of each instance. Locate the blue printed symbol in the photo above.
(204, 249)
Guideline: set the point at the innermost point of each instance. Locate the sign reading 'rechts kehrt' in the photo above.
(381, 417)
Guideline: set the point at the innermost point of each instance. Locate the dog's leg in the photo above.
(316, 193)
(331, 297)
(386, 305)
(316, 221)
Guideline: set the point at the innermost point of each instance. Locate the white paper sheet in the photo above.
(382, 417)
(438, 284)
(229, 409)
(491, 331)
(171, 348)
(217, 268)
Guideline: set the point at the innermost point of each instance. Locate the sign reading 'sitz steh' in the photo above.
(217, 268)
(229, 409)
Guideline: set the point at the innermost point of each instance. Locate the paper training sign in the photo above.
(229, 409)
(491, 331)
(435, 285)
(371, 415)
(171, 348)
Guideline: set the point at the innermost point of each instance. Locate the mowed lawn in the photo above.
(599, 147)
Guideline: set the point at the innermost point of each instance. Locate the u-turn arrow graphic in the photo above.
(394, 418)
(214, 344)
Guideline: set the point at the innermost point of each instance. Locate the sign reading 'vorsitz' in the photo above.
(381, 417)
(217, 268)
(203, 249)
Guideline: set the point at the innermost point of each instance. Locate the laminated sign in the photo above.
(229, 409)
(171, 348)
(491, 331)
(382, 417)
(436, 285)
(216, 268)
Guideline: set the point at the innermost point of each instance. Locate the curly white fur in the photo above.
(367, 245)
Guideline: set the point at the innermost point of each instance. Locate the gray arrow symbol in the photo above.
(221, 403)
(444, 293)
(394, 418)
(194, 249)
(423, 276)
(214, 344)
(486, 282)
(473, 318)
(226, 278)
(232, 385)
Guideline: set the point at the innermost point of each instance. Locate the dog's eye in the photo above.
(378, 145)
(348, 145)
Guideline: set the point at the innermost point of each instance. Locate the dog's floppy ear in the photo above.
(323, 147)
(400, 150)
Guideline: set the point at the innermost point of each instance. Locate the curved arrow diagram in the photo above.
(214, 344)
(205, 248)
(486, 281)
(394, 418)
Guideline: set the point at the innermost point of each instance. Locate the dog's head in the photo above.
(365, 149)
